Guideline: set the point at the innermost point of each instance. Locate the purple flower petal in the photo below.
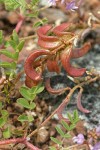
(79, 139)
(98, 130)
(52, 2)
(62, 1)
(71, 5)
(96, 146)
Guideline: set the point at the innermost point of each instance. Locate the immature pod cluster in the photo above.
(58, 49)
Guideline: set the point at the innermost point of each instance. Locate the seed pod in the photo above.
(51, 90)
(29, 69)
(42, 33)
(30, 83)
(79, 105)
(48, 45)
(72, 71)
(59, 30)
(52, 66)
(79, 52)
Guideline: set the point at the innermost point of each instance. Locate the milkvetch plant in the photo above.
(57, 49)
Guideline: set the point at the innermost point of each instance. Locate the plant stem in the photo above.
(62, 105)
(19, 140)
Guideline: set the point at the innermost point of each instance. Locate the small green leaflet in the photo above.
(52, 148)
(34, 2)
(9, 54)
(1, 37)
(2, 122)
(4, 113)
(8, 65)
(20, 45)
(7, 133)
(56, 140)
(25, 92)
(25, 103)
(59, 131)
(65, 125)
(23, 118)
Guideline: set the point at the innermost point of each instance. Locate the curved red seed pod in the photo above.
(48, 45)
(51, 90)
(60, 111)
(30, 83)
(72, 71)
(52, 66)
(29, 69)
(79, 105)
(42, 31)
(79, 52)
(59, 29)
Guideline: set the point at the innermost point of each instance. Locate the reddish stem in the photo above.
(19, 140)
(19, 24)
(15, 140)
(32, 147)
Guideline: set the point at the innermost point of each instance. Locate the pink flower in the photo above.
(71, 6)
(79, 139)
(52, 2)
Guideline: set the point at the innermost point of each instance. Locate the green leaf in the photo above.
(72, 126)
(30, 118)
(15, 37)
(23, 118)
(2, 122)
(52, 148)
(25, 92)
(37, 24)
(44, 20)
(11, 4)
(12, 44)
(8, 65)
(1, 105)
(1, 37)
(9, 54)
(32, 105)
(18, 132)
(33, 15)
(59, 131)
(1, 1)
(23, 102)
(76, 114)
(70, 117)
(65, 125)
(7, 133)
(37, 89)
(56, 140)
(34, 2)
(4, 113)
(67, 136)
(76, 120)
(20, 45)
